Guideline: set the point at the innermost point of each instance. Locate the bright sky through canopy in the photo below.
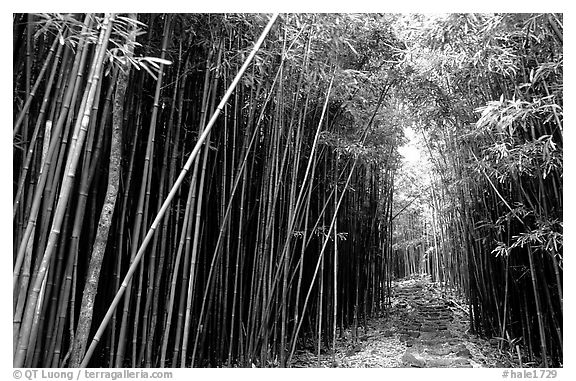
(410, 150)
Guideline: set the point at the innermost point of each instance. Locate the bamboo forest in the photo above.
(287, 190)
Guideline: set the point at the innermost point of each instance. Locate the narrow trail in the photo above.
(426, 327)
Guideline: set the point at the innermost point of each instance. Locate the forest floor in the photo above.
(426, 327)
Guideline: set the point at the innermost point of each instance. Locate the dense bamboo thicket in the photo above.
(488, 97)
(223, 190)
(275, 240)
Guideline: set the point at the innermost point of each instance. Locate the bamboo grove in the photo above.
(226, 189)
(248, 257)
(488, 95)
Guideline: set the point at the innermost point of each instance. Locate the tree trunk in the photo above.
(99, 248)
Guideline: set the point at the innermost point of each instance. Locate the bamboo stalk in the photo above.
(172, 193)
(30, 309)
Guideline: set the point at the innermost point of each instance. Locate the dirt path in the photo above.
(425, 328)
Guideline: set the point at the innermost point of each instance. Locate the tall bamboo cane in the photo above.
(172, 193)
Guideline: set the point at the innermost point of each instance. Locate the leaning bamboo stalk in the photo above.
(172, 193)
